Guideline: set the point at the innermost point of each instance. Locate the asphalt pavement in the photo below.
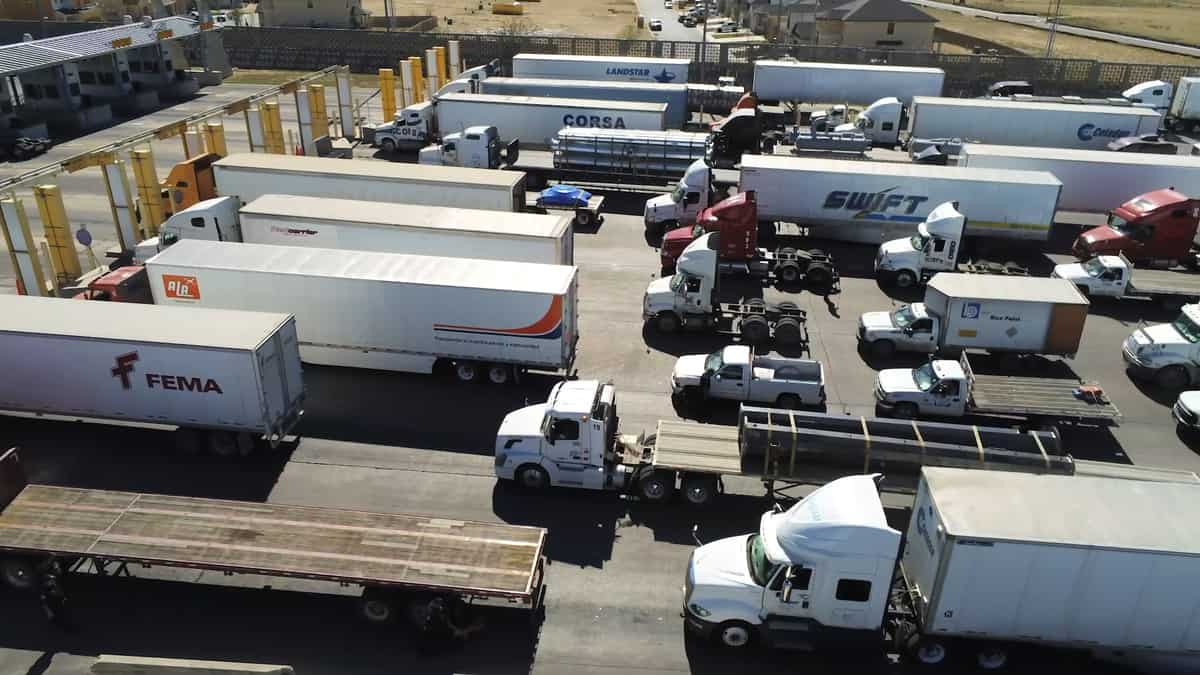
(409, 443)
(1040, 22)
(672, 29)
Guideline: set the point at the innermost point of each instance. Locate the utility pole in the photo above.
(1053, 19)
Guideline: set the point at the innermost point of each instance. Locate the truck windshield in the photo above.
(904, 316)
(924, 377)
(677, 281)
(1117, 223)
(678, 193)
(1187, 328)
(713, 363)
(756, 560)
(1093, 267)
(918, 242)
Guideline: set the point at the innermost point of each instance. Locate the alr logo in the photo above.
(181, 287)
(124, 368)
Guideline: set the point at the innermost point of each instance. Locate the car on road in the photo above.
(689, 20)
(655, 25)
(669, 5)
(728, 27)
(1149, 143)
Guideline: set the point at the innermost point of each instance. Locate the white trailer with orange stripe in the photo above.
(388, 311)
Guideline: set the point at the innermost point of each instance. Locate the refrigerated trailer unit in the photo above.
(843, 82)
(871, 202)
(387, 311)
(252, 175)
(608, 68)
(535, 121)
(405, 228)
(1093, 180)
(674, 95)
(398, 561)
(1002, 122)
(225, 377)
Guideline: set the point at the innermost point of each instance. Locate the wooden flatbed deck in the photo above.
(1039, 397)
(1165, 282)
(373, 549)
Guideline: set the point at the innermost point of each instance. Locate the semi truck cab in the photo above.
(690, 291)
(692, 194)
(939, 387)
(210, 220)
(818, 573)
(1158, 228)
(735, 218)
(1167, 353)
(570, 440)
(414, 126)
(476, 147)
(934, 248)
(881, 122)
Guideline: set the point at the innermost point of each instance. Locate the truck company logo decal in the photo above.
(158, 380)
(597, 121)
(549, 327)
(636, 72)
(970, 310)
(1089, 131)
(873, 205)
(181, 287)
(294, 231)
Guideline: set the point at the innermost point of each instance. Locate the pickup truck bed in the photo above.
(374, 549)
(1034, 397)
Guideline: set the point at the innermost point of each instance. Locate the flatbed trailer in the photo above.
(395, 558)
(1159, 283)
(585, 215)
(1055, 399)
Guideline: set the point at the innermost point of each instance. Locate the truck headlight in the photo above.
(699, 611)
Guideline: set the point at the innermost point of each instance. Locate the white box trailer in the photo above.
(872, 202)
(843, 82)
(252, 175)
(1093, 180)
(1028, 315)
(1005, 122)
(313, 222)
(610, 68)
(535, 121)
(210, 370)
(674, 95)
(1099, 564)
(1184, 113)
(388, 311)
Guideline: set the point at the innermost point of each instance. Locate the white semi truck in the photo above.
(222, 379)
(606, 68)
(1003, 122)
(870, 202)
(251, 175)
(1014, 315)
(483, 318)
(990, 567)
(1167, 354)
(851, 83)
(1092, 180)
(290, 220)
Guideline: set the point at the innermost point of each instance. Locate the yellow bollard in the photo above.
(414, 62)
(214, 138)
(316, 106)
(443, 66)
(63, 257)
(387, 93)
(272, 127)
(145, 178)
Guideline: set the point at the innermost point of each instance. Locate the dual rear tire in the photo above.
(476, 371)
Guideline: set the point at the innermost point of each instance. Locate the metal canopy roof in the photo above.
(21, 57)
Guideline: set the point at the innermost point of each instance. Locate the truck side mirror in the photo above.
(787, 590)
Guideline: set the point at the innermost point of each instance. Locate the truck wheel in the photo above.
(467, 371)
(883, 348)
(1171, 377)
(905, 279)
(991, 658)
(18, 573)
(929, 652)
(788, 332)
(819, 275)
(1172, 303)
(905, 410)
(656, 485)
(788, 273)
(699, 490)
(388, 145)
(583, 218)
(788, 401)
(499, 373)
(735, 634)
(222, 443)
(755, 330)
(377, 606)
(245, 442)
(667, 322)
(533, 477)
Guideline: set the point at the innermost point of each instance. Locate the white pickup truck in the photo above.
(734, 373)
(1109, 276)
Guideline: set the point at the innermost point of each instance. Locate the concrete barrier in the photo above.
(110, 664)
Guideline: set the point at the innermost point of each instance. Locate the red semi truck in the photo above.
(1156, 229)
(736, 219)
